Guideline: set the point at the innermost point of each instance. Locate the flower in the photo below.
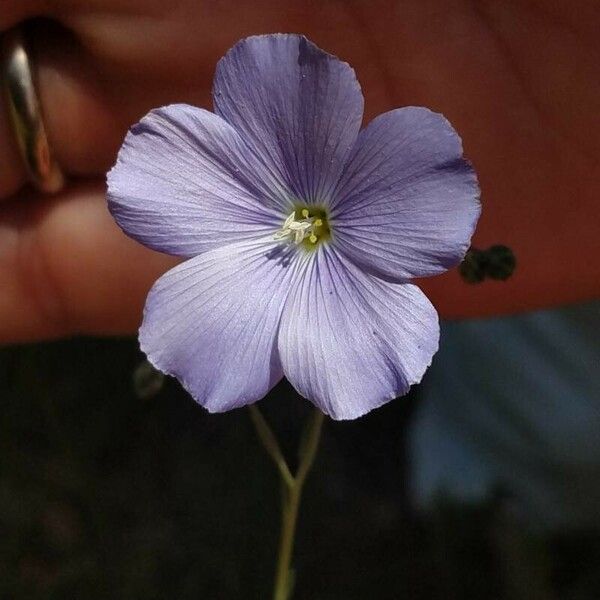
(301, 232)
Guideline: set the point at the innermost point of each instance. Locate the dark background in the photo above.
(111, 492)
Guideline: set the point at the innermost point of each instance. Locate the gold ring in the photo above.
(26, 114)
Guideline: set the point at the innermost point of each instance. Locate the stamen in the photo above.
(302, 227)
(299, 230)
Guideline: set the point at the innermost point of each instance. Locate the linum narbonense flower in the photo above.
(301, 231)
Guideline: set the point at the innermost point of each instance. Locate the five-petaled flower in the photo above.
(302, 232)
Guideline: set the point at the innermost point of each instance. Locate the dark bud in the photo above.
(147, 381)
(501, 262)
(472, 268)
(497, 262)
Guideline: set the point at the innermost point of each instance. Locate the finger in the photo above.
(81, 127)
(67, 268)
(87, 105)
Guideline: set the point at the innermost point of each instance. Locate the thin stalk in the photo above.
(270, 444)
(283, 572)
(291, 491)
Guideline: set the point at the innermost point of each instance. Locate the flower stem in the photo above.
(269, 441)
(291, 487)
(283, 574)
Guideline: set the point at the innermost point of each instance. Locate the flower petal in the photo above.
(407, 203)
(297, 106)
(212, 322)
(351, 342)
(185, 183)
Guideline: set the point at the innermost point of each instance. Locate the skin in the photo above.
(518, 79)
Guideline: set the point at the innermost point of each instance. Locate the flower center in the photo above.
(306, 226)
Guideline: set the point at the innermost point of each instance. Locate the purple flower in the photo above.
(302, 232)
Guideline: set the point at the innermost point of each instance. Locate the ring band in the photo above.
(26, 114)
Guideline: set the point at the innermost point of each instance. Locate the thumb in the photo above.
(66, 268)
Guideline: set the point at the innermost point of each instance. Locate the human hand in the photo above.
(517, 80)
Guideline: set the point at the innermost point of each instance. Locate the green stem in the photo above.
(291, 491)
(269, 441)
(283, 573)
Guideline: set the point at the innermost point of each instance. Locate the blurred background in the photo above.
(483, 483)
